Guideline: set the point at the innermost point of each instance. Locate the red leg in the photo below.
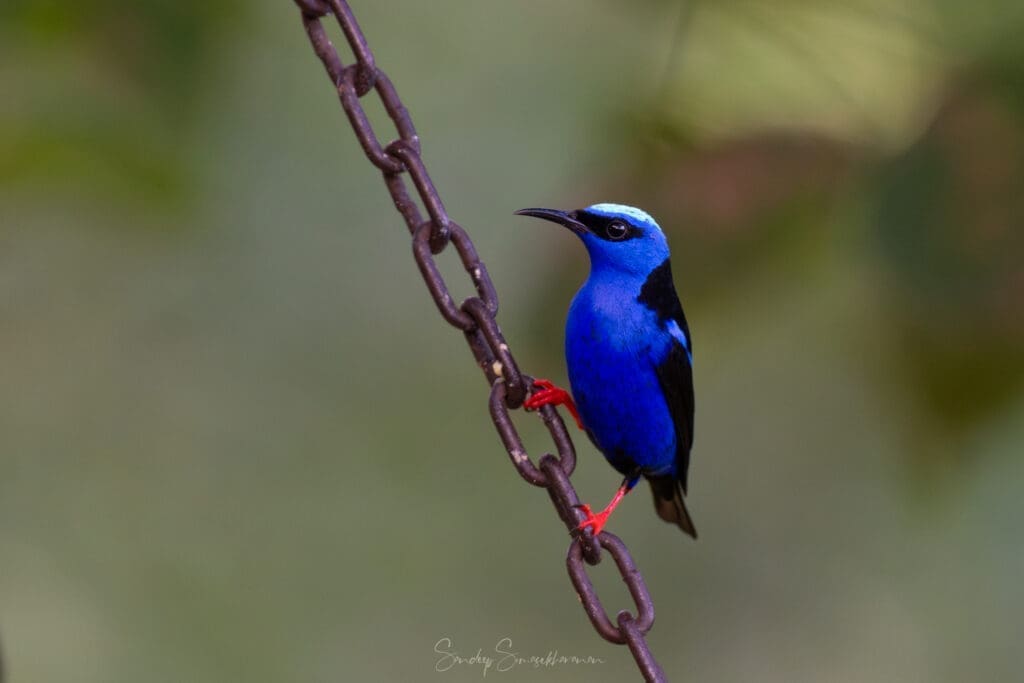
(550, 395)
(598, 520)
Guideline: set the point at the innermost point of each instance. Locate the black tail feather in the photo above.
(668, 503)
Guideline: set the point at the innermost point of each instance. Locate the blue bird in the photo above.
(629, 356)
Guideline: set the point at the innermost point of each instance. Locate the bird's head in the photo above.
(617, 237)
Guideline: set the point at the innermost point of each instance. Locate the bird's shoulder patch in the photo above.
(659, 295)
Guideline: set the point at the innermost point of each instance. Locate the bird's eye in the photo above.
(617, 230)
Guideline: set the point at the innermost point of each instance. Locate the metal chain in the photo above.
(476, 318)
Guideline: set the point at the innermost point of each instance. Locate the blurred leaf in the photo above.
(857, 71)
(949, 227)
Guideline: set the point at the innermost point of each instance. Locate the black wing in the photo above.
(674, 373)
(659, 295)
(676, 378)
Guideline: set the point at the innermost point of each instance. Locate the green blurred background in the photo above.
(239, 444)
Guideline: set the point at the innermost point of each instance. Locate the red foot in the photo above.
(550, 395)
(596, 521)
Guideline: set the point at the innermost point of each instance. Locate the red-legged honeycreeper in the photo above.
(629, 355)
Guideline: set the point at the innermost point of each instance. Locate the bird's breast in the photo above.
(613, 346)
(613, 320)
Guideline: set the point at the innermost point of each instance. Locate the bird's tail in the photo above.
(668, 502)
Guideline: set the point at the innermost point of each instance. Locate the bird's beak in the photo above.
(568, 219)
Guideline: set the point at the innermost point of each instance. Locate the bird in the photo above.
(629, 358)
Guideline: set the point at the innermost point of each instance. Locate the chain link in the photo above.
(476, 318)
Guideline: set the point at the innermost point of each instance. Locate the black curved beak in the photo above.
(568, 219)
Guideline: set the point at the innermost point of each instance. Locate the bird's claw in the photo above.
(550, 395)
(595, 521)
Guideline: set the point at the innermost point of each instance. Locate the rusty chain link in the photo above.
(475, 317)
